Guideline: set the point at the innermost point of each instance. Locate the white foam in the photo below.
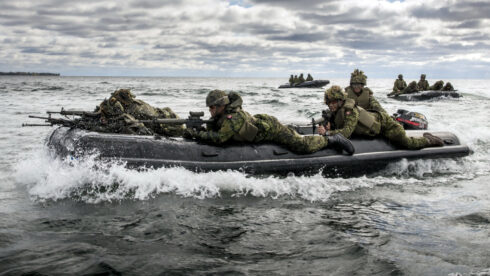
(89, 180)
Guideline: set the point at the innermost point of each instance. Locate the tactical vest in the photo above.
(368, 123)
(362, 100)
(248, 130)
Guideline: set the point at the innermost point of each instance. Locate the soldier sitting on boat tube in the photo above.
(235, 124)
(348, 119)
(362, 95)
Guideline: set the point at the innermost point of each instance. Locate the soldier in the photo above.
(301, 79)
(411, 88)
(291, 80)
(423, 84)
(448, 87)
(240, 126)
(295, 79)
(348, 119)
(122, 104)
(399, 85)
(309, 77)
(363, 96)
(437, 86)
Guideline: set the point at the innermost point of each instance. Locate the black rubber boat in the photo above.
(307, 84)
(426, 95)
(149, 151)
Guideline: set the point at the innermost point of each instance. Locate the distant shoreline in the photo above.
(27, 74)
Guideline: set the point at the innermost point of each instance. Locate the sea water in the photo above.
(425, 217)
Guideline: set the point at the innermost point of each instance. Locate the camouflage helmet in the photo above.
(358, 77)
(422, 76)
(412, 84)
(217, 97)
(400, 76)
(334, 93)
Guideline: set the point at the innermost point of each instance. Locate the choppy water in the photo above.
(416, 218)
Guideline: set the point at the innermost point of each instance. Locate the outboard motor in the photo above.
(411, 120)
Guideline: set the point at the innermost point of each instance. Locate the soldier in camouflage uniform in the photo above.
(448, 87)
(295, 80)
(301, 79)
(234, 124)
(363, 96)
(350, 119)
(399, 84)
(291, 80)
(120, 112)
(437, 86)
(423, 84)
(309, 77)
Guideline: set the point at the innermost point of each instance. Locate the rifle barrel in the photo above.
(29, 125)
(175, 121)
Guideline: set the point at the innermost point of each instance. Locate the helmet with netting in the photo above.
(334, 93)
(217, 98)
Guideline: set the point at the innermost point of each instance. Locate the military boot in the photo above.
(434, 141)
(344, 143)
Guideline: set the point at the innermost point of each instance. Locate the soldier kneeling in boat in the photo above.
(231, 123)
(348, 119)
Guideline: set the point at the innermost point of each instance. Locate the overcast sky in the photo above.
(249, 38)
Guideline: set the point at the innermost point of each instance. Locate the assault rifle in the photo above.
(52, 121)
(194, 120)
(74, 113)
(326, 117)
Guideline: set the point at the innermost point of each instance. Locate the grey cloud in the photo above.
(463, 10)
(469, 24)
(301, 37)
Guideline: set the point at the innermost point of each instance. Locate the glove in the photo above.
(189, 133)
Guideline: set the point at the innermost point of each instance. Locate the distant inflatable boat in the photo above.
(148, 151)
(307, 84)
(426, 95)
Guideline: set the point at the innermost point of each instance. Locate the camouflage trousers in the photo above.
(396, 134)
(271, 130)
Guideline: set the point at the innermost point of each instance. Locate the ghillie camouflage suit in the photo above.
(121, 110)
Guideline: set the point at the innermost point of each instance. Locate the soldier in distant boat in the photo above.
(399, 84)
(448, 87)
(438, 85)
(309, 77)
(423, 84)
(301, 79)
(291, 80)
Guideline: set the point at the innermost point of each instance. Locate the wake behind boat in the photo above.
(156, 152)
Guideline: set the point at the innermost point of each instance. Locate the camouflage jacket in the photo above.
(365, 99)
(399, 85)
(230, 126)
(423, 85)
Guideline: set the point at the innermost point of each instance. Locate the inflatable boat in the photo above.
(307, 84)
(426, 95)
(150, 151)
